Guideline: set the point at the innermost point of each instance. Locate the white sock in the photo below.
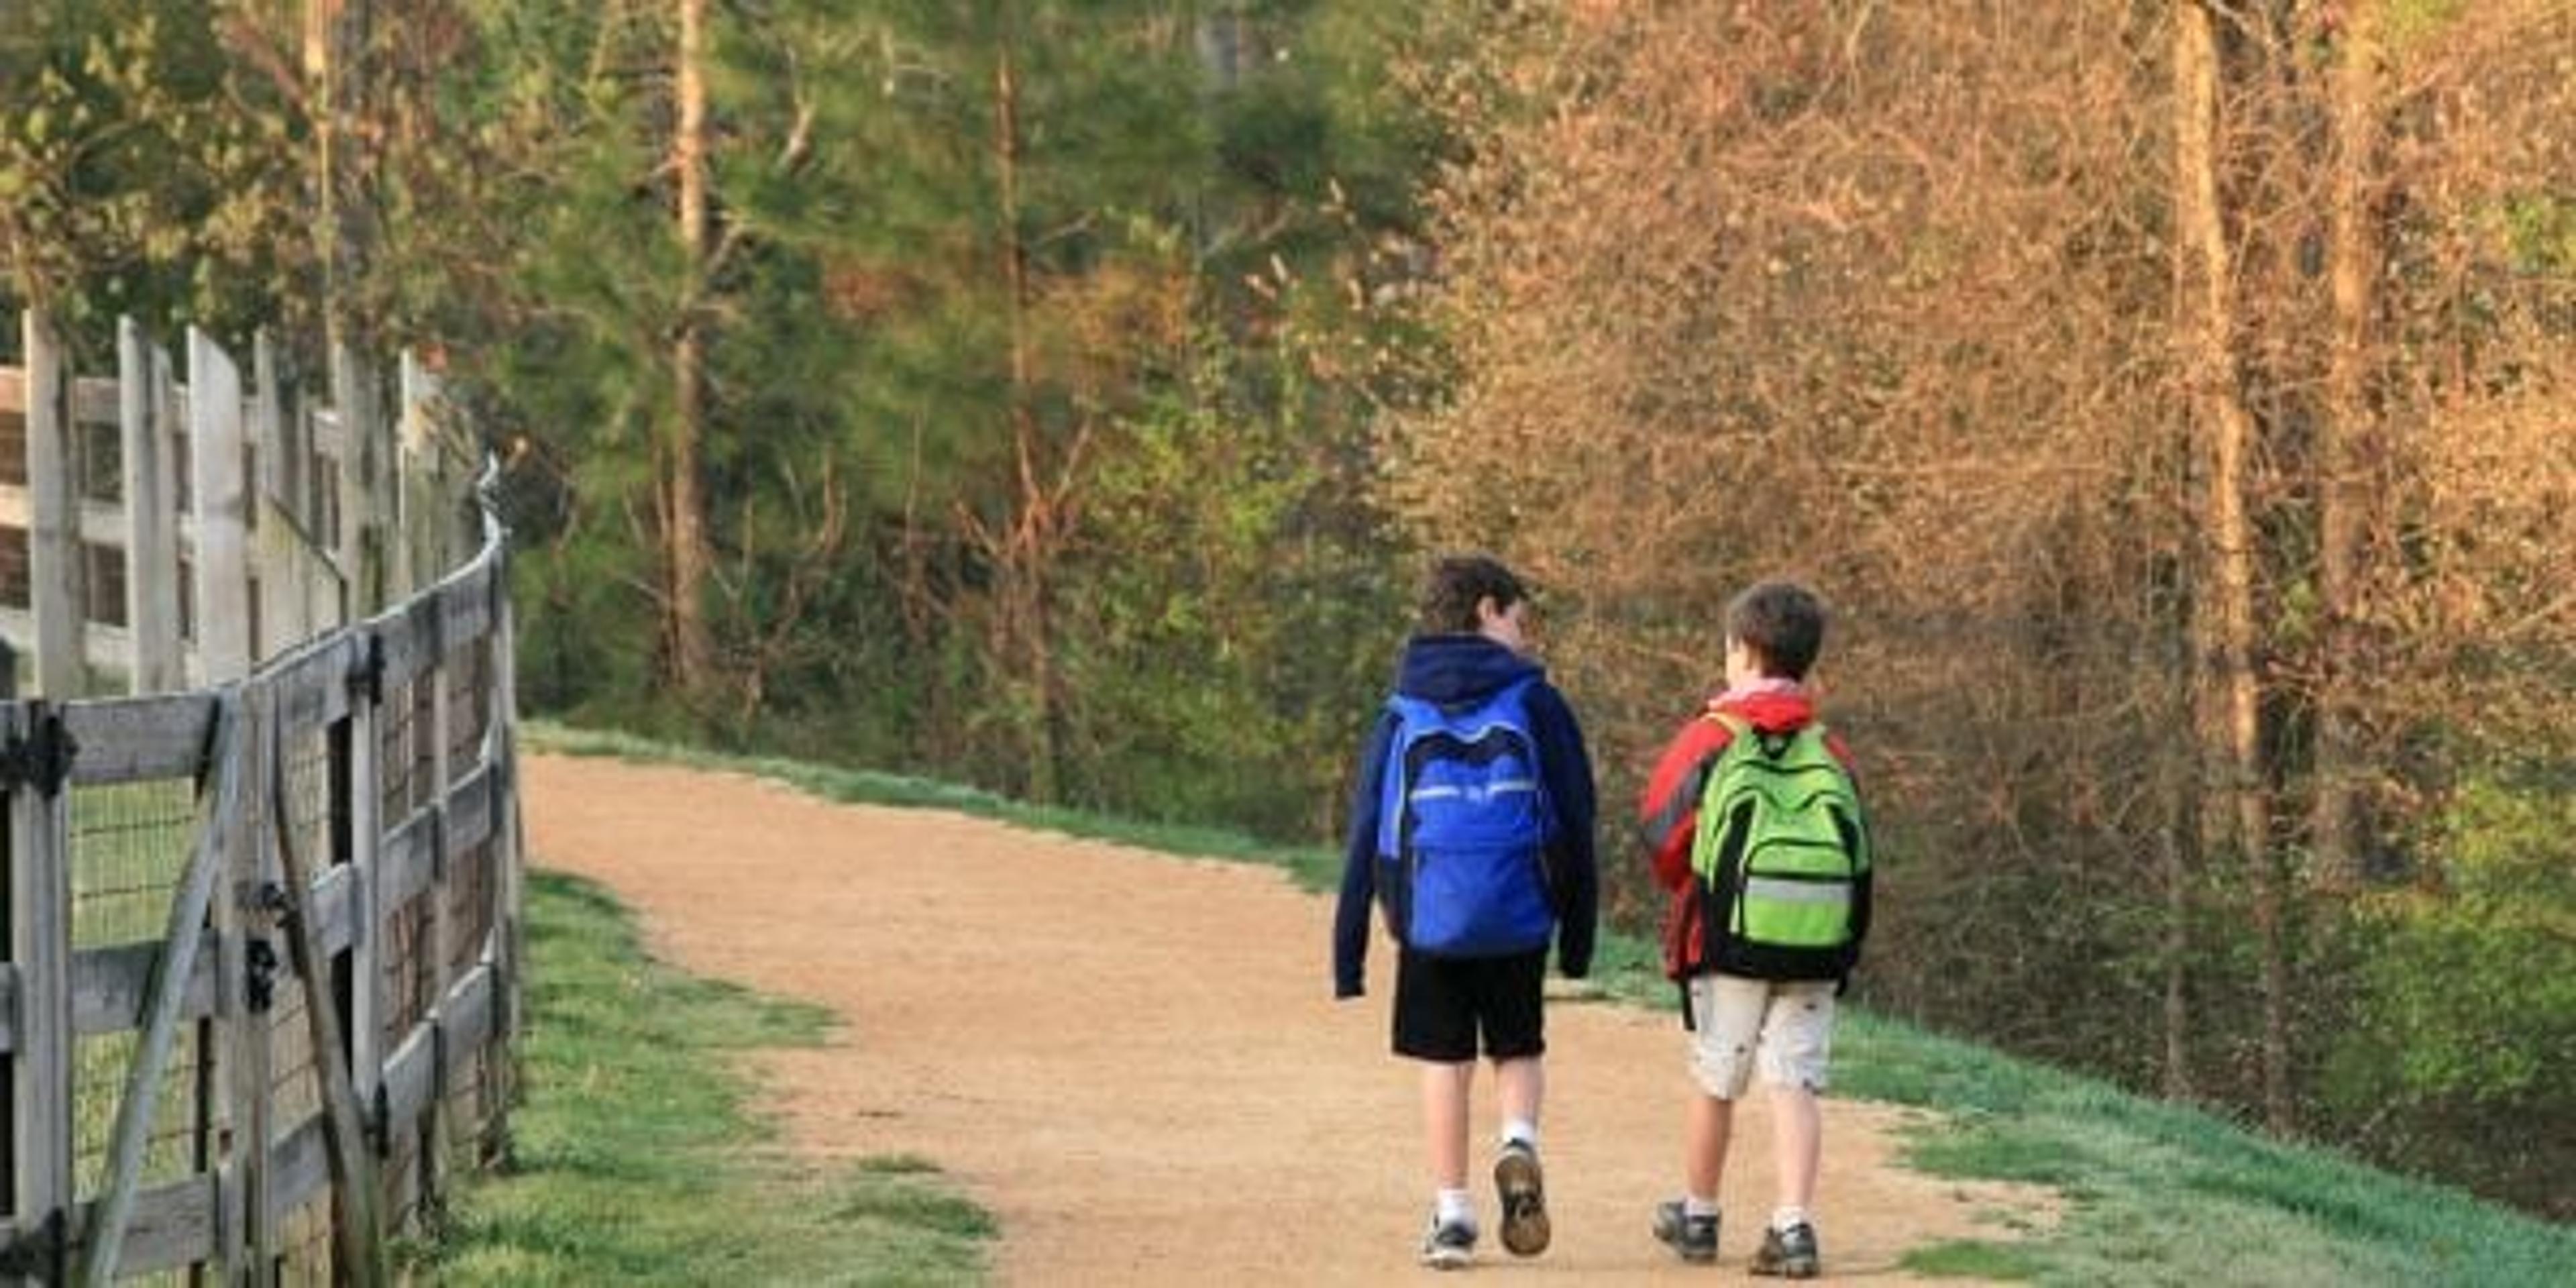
(1522, 1130)
(1784, 1217)
(1694, 1205)
(1455, 1206)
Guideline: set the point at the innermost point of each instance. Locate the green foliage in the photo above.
(633, 1159)
(2411, 22)
(143, 171)
(2469, 983)
(2463, 1024)
(1231, 620)
(2540, 232)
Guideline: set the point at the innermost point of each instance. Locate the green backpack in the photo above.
(1782, 856)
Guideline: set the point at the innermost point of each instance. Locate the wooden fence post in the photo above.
(8, 941)
(215, 452)
(151, 508)
(40, 945)
(357, 793)
(272, 626)
(403, 563)
(243, 1163)
(434, 1130)
(362, 465)
(508, 844)
(253, 1074)
(53, 504)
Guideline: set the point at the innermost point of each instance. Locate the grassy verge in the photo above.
(638, 1158)
(2157, 1193)
(2154, 1193)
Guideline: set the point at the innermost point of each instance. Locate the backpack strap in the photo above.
(1742, 728)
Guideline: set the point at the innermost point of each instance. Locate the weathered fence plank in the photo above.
(151, 496)
(110, 986)
(40, 905)
(128, 740)
(221, 510)
(53, 508)
(253, 1030)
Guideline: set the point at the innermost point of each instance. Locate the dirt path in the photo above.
(1134, 1061)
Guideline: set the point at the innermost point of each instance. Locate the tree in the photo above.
(2238, 815)
(682, 508)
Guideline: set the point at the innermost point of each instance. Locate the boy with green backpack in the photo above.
(1755, 827)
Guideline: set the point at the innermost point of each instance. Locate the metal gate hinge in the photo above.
(42, 757)
(260, 989)
(40, 1253)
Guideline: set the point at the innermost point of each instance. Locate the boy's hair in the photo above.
(1782, 622)
(1457, 584)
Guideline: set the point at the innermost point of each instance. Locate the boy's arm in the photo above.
(1573, 862)
(1359, 868)
(1668, 811)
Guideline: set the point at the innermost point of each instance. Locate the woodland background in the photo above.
(2175, 401)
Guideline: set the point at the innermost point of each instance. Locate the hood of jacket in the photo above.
(1771, 708)
(1455, 670)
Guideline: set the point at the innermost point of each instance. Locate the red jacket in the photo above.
(1668, 813)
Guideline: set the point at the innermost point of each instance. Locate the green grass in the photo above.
(2158, 1193)
(2153, 1193)
(638, 1157)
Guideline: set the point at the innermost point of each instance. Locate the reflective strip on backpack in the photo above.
(1503, 787)
(1772, 888)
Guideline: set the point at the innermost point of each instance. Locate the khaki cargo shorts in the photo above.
(1784, 1029)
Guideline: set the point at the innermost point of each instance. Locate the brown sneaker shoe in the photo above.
(1790, 1253)
(1524, 1199)
(1692, 1238)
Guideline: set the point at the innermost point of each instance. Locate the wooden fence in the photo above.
(262, 933)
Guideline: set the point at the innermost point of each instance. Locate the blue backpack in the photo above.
(1463, 825)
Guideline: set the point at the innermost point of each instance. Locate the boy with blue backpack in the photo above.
(1471, 828)
(1754, 825)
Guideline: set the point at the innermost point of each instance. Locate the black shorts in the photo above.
(1442, 1002)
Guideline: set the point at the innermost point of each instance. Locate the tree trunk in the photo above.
(1030, 542)
(2346, 448)
(2237, 812)
(686, 557)
(335, 41)
(2183, 811)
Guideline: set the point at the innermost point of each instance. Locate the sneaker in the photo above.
(1524, 1199)
(1693, 1238)
(1449, 1245)
(1790, 1253)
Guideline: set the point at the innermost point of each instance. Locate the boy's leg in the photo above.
(1706, 1128)
(1520, 1085)
(1435, 1024)
(1515, 1026)
(1727, 1020)
(1445, 1089)
(1729, 1013)
(1797, 1041)
(1797, 1139)
(1797, 1047)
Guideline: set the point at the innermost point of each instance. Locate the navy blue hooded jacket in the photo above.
(1456, 670)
